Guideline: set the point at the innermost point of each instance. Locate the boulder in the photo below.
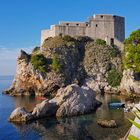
(20, 114)
(129, 84)
(44, 109)
(107, 123)
(75, 100)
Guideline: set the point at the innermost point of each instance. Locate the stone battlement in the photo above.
(110, 28)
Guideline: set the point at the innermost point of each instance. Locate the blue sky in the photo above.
(22, 20)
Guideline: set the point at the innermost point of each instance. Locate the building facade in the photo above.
(110, 28)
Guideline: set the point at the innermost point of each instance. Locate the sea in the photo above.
(82, 127)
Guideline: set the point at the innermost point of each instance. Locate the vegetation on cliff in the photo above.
(103, 62)
(132, 52)
(64, 60)
(39, 62)
(56, 64)
(114, 78)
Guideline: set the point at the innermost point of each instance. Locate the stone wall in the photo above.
(107, 27)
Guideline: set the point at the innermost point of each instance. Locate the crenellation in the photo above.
(110, 28)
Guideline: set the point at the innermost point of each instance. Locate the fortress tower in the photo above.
(110, 28)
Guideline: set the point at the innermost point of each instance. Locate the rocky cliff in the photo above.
(64, 60)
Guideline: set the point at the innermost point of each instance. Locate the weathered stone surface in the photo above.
(129, 84)
(107, 123)
(29, 81)
(69, 101)
(80, 58)
(98, 61)
(20, 114)
(44, 109)
(74, 100)
(101, 87)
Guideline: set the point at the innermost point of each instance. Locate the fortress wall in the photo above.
(70, 30)
(47, 33)
(119, 28)
(81, 24)
(107, 27)
(101, 27)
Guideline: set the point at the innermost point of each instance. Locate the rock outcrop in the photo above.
(107, 123)
(29, 81)
(70, 101)
(74, 100)
(129, 83)
(44, 109)
(20, 115)
(99, 60)
(64, 60)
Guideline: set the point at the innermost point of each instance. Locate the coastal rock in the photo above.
(75, 100)
(29, 81)
(129, 83)
(72, 100)
(65, 60)
(99, 60)
(44, 109)
(107, 123)
(101, 87)
(20, 114)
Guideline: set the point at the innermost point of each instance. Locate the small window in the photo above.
(77, 24)
(112, 42)
(102, 16)
(96, 25)
(86, 24)
(67, 24)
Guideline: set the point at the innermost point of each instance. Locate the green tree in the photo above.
(114, 78)
(100, 42)
(55, 64)
(39, 62)
(132, 52)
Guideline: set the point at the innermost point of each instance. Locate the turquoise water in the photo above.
(75, 128)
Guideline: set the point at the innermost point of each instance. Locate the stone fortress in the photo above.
(110, 28)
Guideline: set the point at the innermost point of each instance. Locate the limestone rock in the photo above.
(107, 123)
(79, 58)
(20, 114)
(44, 109)
(101, 87)
(29, 81)
(129, 84)
(74, 100)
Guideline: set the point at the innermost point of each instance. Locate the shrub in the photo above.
(114, 78)
(59, 41)
(55, 64)
(39, 62)
(132, 52)
(36, 50)
(114, 52)
(100, 42)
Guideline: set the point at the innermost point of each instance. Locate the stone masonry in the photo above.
(110, 28)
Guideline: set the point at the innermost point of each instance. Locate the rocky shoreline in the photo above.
(69, 101)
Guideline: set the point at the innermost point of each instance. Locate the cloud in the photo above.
(8, 58)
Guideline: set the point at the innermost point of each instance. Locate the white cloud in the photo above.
(8, 58)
